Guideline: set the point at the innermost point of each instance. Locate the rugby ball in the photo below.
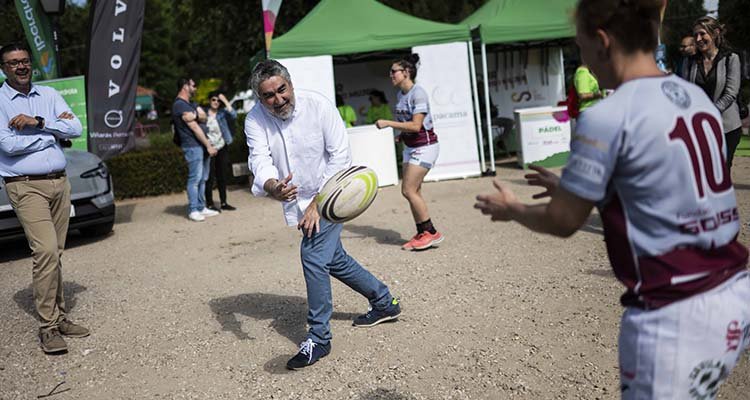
(347, 194)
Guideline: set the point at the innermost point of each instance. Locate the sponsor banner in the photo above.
(38, 30)
(525, 78)
(444, 74)
(543, 135)
(114, 55)
(73, 91)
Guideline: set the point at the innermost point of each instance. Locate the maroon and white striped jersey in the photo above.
(416, 101)
(652, 156)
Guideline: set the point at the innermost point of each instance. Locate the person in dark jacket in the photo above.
(716, 69)
(687, 51)
(220, 122)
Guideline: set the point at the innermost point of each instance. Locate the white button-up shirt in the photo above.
(312, 144)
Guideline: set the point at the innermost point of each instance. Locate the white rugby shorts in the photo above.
(423, 156)
(685, 350)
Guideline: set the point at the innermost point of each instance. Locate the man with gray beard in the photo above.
(297, 142)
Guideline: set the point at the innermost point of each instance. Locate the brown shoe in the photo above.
(51, 341)
(70, 329)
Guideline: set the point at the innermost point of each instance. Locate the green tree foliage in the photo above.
(203, 39)
(678, 22)
(735, 14)
(10, 28)
(441, 11)
(160, 65)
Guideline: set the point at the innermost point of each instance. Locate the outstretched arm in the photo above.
(562, 216)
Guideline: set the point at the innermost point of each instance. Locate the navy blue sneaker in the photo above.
(374, 317)
(309, 353)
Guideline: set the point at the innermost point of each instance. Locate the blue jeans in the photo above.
(324, 256)
(198, 168)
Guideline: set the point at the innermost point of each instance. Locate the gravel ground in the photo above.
(180, 310)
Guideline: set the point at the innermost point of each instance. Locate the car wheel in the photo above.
(98, 230)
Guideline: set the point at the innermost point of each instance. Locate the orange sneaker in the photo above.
(424, 240)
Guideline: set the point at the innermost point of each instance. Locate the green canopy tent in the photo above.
(336, 27)
(345, 27)
(516, 21)
(506, 21)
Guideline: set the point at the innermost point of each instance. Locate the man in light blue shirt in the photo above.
(32, 165)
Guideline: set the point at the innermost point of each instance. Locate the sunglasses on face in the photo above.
(394, 71)
(214, 99)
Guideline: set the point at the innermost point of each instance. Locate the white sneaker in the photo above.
(196, 216)
(207, 212)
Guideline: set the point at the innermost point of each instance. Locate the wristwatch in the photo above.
(39, 122)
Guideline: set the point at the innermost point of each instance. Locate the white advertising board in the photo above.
(312, 73)
(543, 135)
(375, 148)
(525, 79)
(444, 74)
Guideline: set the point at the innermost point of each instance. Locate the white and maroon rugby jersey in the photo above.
(652, 156)
(416, 101)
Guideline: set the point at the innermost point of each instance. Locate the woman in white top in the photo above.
(220, 122)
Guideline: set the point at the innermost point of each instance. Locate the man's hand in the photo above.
(382, 123)
(310, 221)
(212, 150)
(543, 178)
(281, 190)
(21, 121)
(223, 98)
(66, 115)
(500, 205)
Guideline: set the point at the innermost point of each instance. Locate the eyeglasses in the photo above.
(214, 99)
(16, 63)
(394, 71)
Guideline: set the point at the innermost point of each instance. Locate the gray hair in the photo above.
(267, 69)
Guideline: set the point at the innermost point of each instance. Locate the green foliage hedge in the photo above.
(148, 173)
(161, 167)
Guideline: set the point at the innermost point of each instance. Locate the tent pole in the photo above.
(487, 108)
(561, 74)
(477, 112)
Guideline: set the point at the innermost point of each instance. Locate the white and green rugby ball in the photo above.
(347, 194)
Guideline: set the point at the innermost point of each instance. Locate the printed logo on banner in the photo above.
(113, 65)
(46, 62)
(706, 378)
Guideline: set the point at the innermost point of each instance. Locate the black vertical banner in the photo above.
(114, 55)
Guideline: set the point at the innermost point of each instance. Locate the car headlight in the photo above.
(100, 171)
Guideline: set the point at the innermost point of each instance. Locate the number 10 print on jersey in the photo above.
(705, 164)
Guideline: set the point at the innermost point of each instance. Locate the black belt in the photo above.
(26, 178)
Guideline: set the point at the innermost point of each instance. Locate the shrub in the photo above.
(151, 172)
